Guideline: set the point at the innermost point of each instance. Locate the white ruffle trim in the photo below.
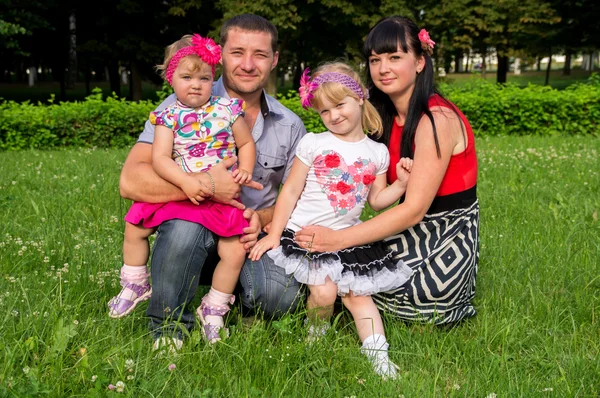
(316, 272)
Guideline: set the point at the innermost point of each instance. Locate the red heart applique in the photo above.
(345, 186)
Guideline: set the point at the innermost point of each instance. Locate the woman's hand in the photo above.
(319, 239)
(265, 244)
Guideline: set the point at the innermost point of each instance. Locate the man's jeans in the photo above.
(180, 252)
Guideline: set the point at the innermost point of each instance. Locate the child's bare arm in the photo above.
(246, 151)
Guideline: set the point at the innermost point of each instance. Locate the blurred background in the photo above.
(64, 49)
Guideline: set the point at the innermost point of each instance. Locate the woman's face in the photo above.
(395, 73)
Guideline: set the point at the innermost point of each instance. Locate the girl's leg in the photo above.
(370, 331)
(320, 308)
(216, 303)
(134, 273)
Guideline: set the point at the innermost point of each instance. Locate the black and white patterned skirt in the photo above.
(362, 270)
(443, 251)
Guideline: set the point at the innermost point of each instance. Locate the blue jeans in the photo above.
(183, 254)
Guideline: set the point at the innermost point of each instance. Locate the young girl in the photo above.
(334, 173)
(191, 135)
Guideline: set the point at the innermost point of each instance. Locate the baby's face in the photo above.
(192, 82)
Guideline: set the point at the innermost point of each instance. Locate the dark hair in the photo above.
(385, 37)
(250, 22)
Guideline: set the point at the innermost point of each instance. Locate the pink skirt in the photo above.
(223, 220)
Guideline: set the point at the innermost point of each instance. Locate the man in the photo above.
(249, 54)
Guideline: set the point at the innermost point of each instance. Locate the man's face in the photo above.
(248, 60)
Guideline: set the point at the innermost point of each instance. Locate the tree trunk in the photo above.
(502, 69)
(548, 68)
(483, 65)
(468, 60)
(458, 61)
(71, 77)
(114, 77)
(567, 67)
(539, 64)
(135, 82)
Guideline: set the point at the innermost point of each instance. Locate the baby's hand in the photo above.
(192, 187)
(265, 244)
(403, 169)
(241, 176)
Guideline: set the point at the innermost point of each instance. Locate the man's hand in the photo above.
(252, 230)
(226, 189)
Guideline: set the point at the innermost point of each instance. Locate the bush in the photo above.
(492, 110)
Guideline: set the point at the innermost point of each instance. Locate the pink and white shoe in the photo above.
(210, 331)
(120, 307)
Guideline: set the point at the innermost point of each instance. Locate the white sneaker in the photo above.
(172, 344)
(382, 364)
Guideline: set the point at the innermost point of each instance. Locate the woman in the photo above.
(435, 228)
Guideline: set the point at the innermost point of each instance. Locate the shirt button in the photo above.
(266, 164)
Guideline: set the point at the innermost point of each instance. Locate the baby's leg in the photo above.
(216, 303)
(134, 273)
(370, 331)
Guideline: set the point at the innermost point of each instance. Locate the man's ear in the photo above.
(275, 60)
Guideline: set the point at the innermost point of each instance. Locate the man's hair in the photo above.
(252, 23)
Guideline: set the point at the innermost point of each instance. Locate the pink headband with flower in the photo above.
(426, 42)
(308, 87)
(204, 47)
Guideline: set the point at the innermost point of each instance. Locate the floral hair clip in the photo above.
(426, 42)
(308, 87)
(204, 47)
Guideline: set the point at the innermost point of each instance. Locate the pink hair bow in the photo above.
(426, 43)
(204, 47)
(306, 89)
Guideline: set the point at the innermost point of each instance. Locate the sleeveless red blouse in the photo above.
(461, 174)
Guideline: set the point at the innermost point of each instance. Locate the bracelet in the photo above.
(212, 183)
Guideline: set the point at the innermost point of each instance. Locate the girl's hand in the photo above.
(241, 176)
(193, 189)
(403, 169)
(265, 244)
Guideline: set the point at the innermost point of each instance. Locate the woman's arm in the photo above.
(246, 151)
(427, 173)
(286, 202)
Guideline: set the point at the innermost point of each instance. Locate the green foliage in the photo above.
(492, 110)
(92, 123)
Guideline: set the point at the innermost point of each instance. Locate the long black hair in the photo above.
(385, 37)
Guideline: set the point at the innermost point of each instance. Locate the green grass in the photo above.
(536, 334)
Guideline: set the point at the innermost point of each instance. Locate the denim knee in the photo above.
(179, 253)
(265, 286)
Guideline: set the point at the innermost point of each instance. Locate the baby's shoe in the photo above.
(375, 347)
(211, 330)
(129, 296)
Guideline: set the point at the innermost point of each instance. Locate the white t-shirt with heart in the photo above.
(338, 182)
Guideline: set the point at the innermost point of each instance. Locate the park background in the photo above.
(64, 139)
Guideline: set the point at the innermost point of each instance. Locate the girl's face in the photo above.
(395, 73)
(192, 85)
(343, 118)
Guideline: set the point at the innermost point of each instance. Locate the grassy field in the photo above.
(536, 334)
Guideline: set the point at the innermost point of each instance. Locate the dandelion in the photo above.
(172, 367)
(120, 387)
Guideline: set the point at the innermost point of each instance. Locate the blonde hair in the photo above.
(335, 92)
(192, 62)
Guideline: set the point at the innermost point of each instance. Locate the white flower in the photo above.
(26, 370)
(129, 363)
(94, 377)
(120, 386)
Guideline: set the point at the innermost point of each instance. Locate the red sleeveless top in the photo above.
(461, 174)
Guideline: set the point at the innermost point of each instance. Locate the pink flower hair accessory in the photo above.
(426, 43)
(308, 87)
(204, 47)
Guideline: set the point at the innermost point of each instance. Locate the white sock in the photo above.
(217, 299)
(375, 342)
(138, 275)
